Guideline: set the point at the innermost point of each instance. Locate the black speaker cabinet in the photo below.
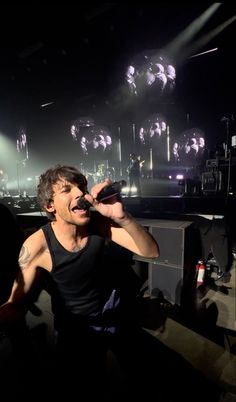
(167, 281)
(167, 274)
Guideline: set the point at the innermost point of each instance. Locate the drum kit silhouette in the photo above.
(101, 174)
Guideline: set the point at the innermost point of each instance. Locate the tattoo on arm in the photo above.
(23, 257)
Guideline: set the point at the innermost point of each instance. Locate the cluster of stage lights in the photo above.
(150, 70)
(177, 177)
(91, 137)
(127, 190)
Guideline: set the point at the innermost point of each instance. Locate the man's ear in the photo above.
(50, 207)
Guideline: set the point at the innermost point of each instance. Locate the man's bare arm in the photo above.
(133, 236)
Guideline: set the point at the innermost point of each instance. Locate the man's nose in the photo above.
(77, 192)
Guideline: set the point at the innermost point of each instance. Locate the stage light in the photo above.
(183, 45)
(179, 177)
(152, 128)
(125, 190)
(189, 148)
(96, 138)
(79, 124)
(233, 141)
(22, 144)
(133, 189)
(150, 71)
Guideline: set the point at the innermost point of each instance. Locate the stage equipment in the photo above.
(212, 181)
(171, 275)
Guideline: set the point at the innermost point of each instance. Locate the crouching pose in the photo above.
(70, 247)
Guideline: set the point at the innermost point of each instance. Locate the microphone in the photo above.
(111, 189)
(107, 192)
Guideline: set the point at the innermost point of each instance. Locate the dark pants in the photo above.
(81, 364)
(91, 363)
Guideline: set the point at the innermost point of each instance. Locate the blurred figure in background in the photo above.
(134, 173)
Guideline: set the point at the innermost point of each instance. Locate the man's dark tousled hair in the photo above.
(49, 178)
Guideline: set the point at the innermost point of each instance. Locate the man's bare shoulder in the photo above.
(37, 236)
(34, 252)
(35, 243)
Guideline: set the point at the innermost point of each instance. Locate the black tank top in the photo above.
(77, 276)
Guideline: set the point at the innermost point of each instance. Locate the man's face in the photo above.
(64, 204)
